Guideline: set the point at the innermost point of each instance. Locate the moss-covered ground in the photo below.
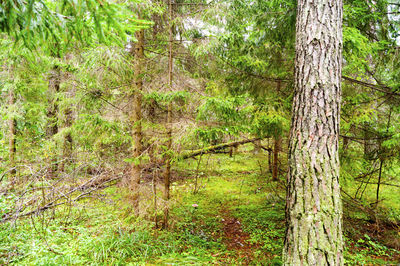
(234, 215)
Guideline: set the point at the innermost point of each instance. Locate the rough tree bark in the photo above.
(136, 119)
(167, 176)
(313, 204)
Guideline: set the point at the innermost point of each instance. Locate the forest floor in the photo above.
(234, 215)
(235, 238)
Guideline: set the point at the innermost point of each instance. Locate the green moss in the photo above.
(108, 234)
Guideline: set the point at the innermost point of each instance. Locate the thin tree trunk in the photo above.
(345, 144)
(167, 176)
(277, 145)
(257, 147)
(381, 163)
(154, 188)
(196, 183)
(13, 131)
(136, 118)
(67, 142)
(269, 157)
(379, 182)
(313, 203)
(52, 112)
(270, 162)
(370, 143)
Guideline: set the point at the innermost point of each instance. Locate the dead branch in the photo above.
(216, 148)
(43, 193)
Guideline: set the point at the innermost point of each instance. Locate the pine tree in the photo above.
(313, 204)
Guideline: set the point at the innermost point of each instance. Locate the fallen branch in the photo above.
(54, 195)
(216, 148)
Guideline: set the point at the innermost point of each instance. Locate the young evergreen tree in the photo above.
(313, 204)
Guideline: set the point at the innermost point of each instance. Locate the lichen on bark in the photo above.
(313, 207)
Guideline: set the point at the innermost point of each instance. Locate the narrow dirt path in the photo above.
(236, 239)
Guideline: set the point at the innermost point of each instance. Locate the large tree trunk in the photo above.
(136, 121)
(13, 131)
(313, 206)
(167, 176)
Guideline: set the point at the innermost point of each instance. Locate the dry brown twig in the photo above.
(43, 193)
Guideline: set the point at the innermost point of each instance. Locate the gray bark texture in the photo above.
(313, 204)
